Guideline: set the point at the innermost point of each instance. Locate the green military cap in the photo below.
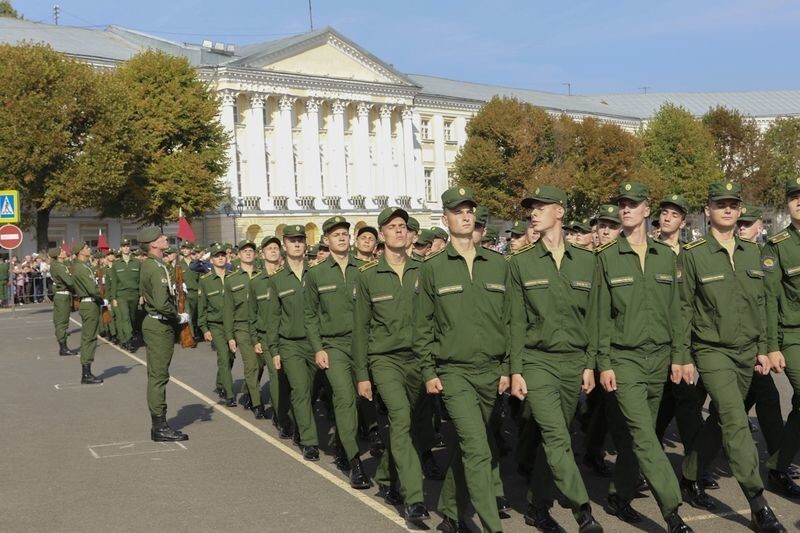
(440, 233)
(633, 190)
(322, 245)
(170, 250)
(77, 247)
(198, 249)
(455, 196)
(413, 224)
(792, 185)
(677, 200)
(125, 242)
(481, 215)
(518, 227)
(582, 225)
(269, 239)
(751, 213)
(217, 249)
(227, 245)
(311, 251)
(491, 235)
(187, 244)
(294, 230)
(391, 212)
(110, 251)
(54, 252)
(148, 235)
(97, 254)
(333, 223)
(608, 212)
(546, 194)
(724, 190)
(247, 243)
(368, 229)
(425, 236)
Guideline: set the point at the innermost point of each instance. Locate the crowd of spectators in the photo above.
(25, 280)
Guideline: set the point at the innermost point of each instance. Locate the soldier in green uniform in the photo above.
(158, 329)
(440, 238)
(323, 251)
(382, 348)
(549, 284)
(88, 292)
(422, 245)
(481, 220)
(5, 284)
(366, 240)
(270, 255)
(210, 292)
(518, 238)
(236, 323)
(413, 233)
(191, 280)
(582, 233)
(490, 238)
(724, 307)
(636, 341)
(461, 329)
(609, 225)
(780, 261)
(63, 286)
(125, 295)
(329, 291)
(105, 267)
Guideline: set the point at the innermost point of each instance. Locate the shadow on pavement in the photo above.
(116, 370)
(189, 414)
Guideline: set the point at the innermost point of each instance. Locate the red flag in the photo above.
(65, 247)
(185, 231)
(102, 243)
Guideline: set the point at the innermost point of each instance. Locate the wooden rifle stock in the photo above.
(101, 283)
(186, 336)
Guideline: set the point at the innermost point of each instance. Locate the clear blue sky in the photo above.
(597, 46)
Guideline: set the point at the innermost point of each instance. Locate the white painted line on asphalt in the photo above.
(75, 386)
(390, 514)
(124, 449)
(744, 513)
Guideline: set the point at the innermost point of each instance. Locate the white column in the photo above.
(439, 164)
(361, 184)
(284, 150)
(419, 166)
(385, 183)
(410, 186)
(311, 184)
(460, 125)
(337, 173)
(229, 124)
(256, 182)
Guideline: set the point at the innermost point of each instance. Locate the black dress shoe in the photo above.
(448, 525)
(63, 349)
(285, 432)
(541, 520)
(341, 462)
(376, 445)
(438, 441)
(784, 482)
(390, 494)
(220, 393)
(586, 522)
(502, 504)
(696, 496)
(622, 509)
(230, 402)
(675, 524)
(708, 482)
(765, 521)
(311, 453)
(430, 468)
(643, 485)
(245, 401)
(793, 472)
(598, 464)
(417, 513)
(358, 479)
(258, 410)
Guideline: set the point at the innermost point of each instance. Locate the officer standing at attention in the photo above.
(125, 298)
(329, 292)
(209, 320)
(382, 347)
(366, 240)
(191, 279)
(549, 284)
(461, 330)
(781, 263)
(440, 238)
(158, 330)
(636, 342)
(236, 322)
(88, 292)
(518, 236)
(63, 286)
(724, 310)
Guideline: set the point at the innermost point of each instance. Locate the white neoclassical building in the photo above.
(318, 126)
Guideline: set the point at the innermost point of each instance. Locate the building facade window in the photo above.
(449, 136)
(451, 177)
(425, 129)
(428, 184)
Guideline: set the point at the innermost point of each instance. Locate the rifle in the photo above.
(186, 335)
(101, 284)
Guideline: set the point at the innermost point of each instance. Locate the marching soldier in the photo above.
(440, 238)
(366, 240)
(125, 295)
(723, 304)
(190, 278)
(106, 264)
(270, 254)
(422, 245)
(608, 223)
(88, 292)
(158, 330)
(518, 236)
(413, 233)
(481, 220)
(63, 286)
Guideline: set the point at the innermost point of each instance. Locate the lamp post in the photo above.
(234, 211)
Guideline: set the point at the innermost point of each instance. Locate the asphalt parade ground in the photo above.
(79, 457)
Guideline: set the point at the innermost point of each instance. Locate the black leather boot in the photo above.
(695, 494)
(586, 522)
(764, 520)
(161, 432)
(785, 483)
(63, 349)
(87, 378)
(358, 479)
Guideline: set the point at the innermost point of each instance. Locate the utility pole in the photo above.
(644, 88)
(56, 12)
(569, 88)
(310, 16)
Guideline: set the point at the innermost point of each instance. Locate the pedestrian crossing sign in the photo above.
(9, 207)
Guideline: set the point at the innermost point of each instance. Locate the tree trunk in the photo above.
(42, 225)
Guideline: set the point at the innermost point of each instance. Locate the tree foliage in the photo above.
(7, 10)
(737, 144)
(779, 161)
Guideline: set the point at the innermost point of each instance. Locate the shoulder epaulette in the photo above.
(751, 241)
(659, 241)
(778, 237)
(367, 266)
(584, 248)
(694, 243)
(605, 246)
(525, 248)
(434, 254)
(207, 274)
(277, 271)
(312, 264)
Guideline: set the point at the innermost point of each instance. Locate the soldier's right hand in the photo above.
(608, 380)
(434, 386)
(208, 336)
(257, 348)
(232, 345)
(365, 389)
(776, 361)
(322, 359)
(519, 389)
(114, 303)
(276, 360)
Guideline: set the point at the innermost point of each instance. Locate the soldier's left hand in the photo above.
(776, 361)
(276, 360)
(762, 365)
(503, 384)
(519, 389)
(588, 384)
(365, 389)
(257, 348)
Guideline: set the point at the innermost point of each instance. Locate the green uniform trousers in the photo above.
(727, 378)
(159, 340)
(252, 362)
(279, 392)
(469, 394)
(125, 315)
(640, 384)
(399, 382)
(341, 376)
(225, 358)
(90, 325)
(782, 459)
(300, 367)
(62, 307)
(554, 384)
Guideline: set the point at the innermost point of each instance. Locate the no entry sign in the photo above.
(10, 236)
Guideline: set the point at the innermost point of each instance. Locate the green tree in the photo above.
(680, 150)
(54, 124)
(779, 161)
(176, 156)
(7, 10)
(737, 143)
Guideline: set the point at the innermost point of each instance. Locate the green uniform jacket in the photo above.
(126, 278)
(631, 310)
(780, 261)
(259, 288)
(156, 287)
(62, 279)
(723, 307)
(190, 278)
(285, 308)
(111, 282)
(5, 272)
(85, 281)
(459, 320)
(329, 301)
(235, 308)
(383, 312)
(548, 304)
(209, 300)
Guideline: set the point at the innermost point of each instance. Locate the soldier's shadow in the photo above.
(116, 370)
(189, 414)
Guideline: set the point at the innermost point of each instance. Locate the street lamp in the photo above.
(234, 211)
